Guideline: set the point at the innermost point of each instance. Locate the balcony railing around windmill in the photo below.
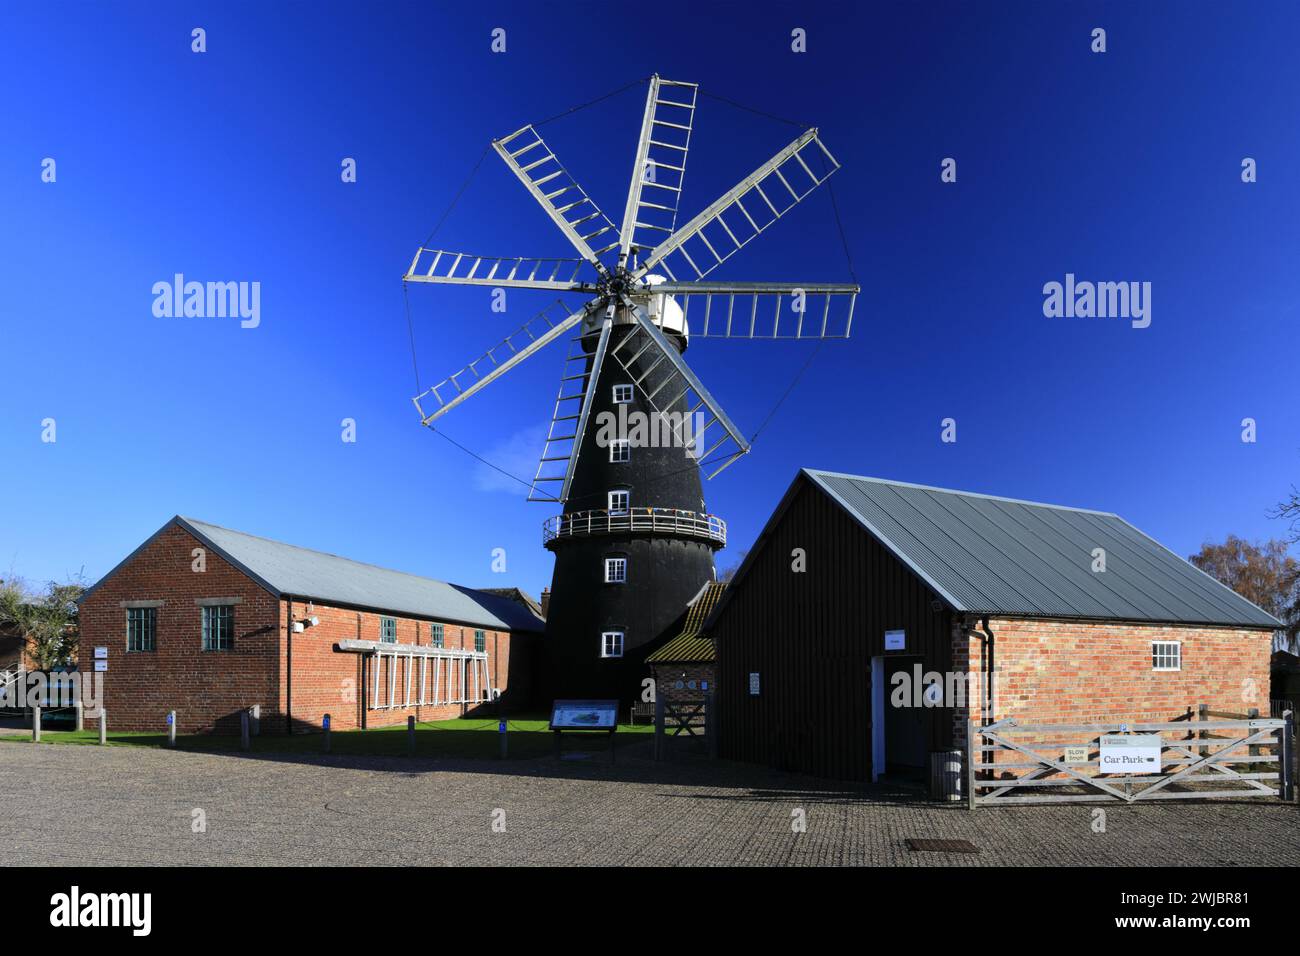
(691, 524)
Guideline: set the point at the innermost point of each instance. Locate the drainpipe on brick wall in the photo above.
(986, 637)
(288, 667)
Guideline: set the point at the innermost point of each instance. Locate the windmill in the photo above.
(634, 542)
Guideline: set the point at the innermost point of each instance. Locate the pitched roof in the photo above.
(988, 555)
(691, 645)
(286, 569)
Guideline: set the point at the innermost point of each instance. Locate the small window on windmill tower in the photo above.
(611, 644)
(622, 394)
(618, 502)
(616, 570)
(620, 450)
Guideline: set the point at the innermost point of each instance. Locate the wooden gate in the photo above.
(1008, 762)
(686, 717)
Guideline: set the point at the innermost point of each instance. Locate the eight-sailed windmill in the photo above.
(635, 542)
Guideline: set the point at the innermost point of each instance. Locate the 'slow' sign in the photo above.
(1130, 753)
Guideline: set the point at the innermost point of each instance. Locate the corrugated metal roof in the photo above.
(991, 555)
(691, 646)
(330, 579)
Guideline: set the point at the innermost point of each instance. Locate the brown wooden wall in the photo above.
(811, 636)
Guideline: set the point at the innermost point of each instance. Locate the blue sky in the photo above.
(225, 166)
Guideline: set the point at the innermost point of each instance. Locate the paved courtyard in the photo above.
(87, 805)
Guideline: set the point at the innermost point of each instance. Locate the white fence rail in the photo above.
(663, 520)
(1012, 763)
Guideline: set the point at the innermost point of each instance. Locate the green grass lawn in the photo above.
(475, 738)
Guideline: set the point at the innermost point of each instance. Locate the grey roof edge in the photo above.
(184, 524)
(758, 545)
(816, 475)
(816, 478)
(809, 475)
(187, 524)
(817, 472)
(1277, 624)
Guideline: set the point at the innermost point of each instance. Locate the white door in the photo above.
(877, 718)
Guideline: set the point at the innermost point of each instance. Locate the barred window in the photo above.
(219, 627)
(141, 627)
(436, 633)
(388, 630)
(480, 641)
(1166, 656)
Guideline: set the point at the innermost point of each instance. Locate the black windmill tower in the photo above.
(633, 426)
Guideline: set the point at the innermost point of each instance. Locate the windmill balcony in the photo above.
(667, 521)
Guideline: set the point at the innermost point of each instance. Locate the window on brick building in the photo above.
(480, 641)
(219, 627)
(1166, 656)
(388, 630)
(141, 627)
(611, 644)
(435, 631)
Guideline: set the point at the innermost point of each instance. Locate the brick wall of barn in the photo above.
(326, 681)
(208, 689)
(1100, 672)
(205, 688)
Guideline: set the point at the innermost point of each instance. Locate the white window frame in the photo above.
(620, 390)
(626, 498)
(620, 451)
(616, 570)
(606, 650)
(1155, 656)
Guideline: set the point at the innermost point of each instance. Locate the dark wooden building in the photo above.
(872, 620)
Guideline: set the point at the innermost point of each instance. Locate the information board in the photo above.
(584, 715)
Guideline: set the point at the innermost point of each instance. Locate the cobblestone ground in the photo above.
(86, 805)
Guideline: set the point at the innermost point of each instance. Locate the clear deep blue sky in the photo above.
(225, 166)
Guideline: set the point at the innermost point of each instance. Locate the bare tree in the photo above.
(1261, 573)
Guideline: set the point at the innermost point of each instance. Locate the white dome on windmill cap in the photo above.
(664, 310)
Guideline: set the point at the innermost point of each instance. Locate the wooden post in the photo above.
(325, 725)
(255, 720)
(970, 765)
(1287, 751)
(243, 730)
(103, 726)
(1203, 714)
(1253, 749)
(710, 725)
(659, 726)
(81, 717)
(410, 736)
(36, 725)
(171, 728)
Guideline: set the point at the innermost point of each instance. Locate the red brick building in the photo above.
(210, 622)
(857, 587)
